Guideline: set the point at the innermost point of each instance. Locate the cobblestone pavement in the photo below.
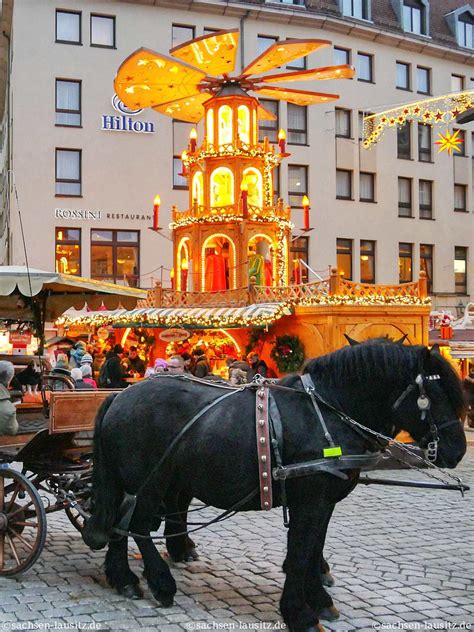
(400, 556)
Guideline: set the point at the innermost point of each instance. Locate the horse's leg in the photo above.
(316, 596)
(305, 529)
(157, 572)
(181, 548)
(326, 577)
(117, 570)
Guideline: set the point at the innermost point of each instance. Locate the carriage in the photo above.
(54, 448)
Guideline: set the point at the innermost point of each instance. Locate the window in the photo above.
(297, 184)
(424, 142)
(367, 187)
(342, 56)
(115, 256)
(68, 27)
(405, 262)
(343, 123)
(404, 141)
(460, 269)
(297, 124)
(103, 31)
(462, 146)
(365, 67)
(269, 128)
(299, 250)
(356, 9)
(425, 192)
(460, 197)
(344, 258)
(297, 64)
(68, 251)
(457, 83)
(403, 76)
(68, 172)
(68, 102)
(367, 261)
(264, 42)
(423, 80)
(404, 197)
(466, 30)
(414, 17)
(362, 115)
(343, 184)
(179, 181)
(181, 34)
(426, 263)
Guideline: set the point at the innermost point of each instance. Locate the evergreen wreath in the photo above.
(288, 353)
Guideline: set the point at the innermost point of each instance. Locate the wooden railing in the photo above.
(316, 292)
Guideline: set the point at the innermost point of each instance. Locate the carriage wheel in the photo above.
(22, 523)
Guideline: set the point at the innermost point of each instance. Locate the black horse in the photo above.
(216, 459)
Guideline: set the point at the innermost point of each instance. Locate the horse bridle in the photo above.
(424, 406)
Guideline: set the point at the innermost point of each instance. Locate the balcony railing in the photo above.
(230, 212)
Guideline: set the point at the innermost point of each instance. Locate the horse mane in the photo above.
(369, 362)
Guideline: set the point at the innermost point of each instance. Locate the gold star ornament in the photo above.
(449, 142)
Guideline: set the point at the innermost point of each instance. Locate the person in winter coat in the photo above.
(86, 371)
(200, 367)
(8, 420)
(79, 383)
(77, 354)
(111, 374)
(256, 366)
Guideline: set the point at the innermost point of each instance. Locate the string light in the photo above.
(435, 111)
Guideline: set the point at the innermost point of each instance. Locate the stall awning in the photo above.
(257, 315)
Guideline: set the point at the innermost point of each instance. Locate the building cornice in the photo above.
(301, 16)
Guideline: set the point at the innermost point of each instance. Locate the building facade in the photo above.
(81, 170)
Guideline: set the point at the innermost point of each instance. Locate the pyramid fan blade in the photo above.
(147, 78)
(214, 54)
(264, 114)
(298, 97)
(281, 53)
(189, 109)
(321, 74)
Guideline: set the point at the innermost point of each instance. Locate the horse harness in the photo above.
(269, 434)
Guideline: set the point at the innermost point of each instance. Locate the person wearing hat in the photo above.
(159, 366)
(86, 370)
(79, 382)
(78, 353)
(111, 374)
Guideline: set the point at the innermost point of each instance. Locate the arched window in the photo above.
(198, 188)
(218, 264)
(222, 187)
(210, 126)
(253, 179)
(225, 125)
(262, 262)
(183, 264)
(243, 118)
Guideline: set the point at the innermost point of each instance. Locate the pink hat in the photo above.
(160, 363)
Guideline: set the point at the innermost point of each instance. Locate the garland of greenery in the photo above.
(288, 353)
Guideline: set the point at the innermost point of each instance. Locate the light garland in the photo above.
(436, 111)
(351, 299)
(220, 219)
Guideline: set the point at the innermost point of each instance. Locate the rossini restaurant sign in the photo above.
(123, 121)
(93, 215)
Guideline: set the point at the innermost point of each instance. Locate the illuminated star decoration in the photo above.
(449, 142)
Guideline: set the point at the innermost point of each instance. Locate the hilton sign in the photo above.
(123, 122)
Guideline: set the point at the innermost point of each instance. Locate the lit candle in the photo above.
(156, 211)
(184, 156)
(305, 202)
(172, 278)
(282, 141)
(192, 140)
(244, 192)
(296, 272)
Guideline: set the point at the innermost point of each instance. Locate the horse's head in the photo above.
(431, 409)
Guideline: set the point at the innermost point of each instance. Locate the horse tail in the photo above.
(107, 493)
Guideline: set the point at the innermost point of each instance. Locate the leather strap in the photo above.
(263, 448)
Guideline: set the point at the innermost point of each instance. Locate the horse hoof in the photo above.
(329, 614)
(327, 579)
(165, 600)
(131, 591)
(192, 554)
